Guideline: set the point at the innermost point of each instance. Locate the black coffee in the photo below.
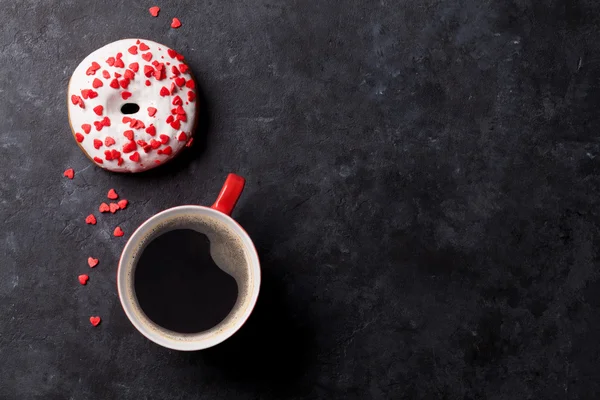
(179, 286)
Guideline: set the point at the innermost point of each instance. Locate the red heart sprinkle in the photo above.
(167, 150)
(109, 141)
(139, 124)
(93, 68)
(86, 128)
(124, 83)
(173, 87)
(120, 162)
(190, 84)
(126, 120)
(76, 100)
(176, 23)
(147, 56)
(177, 101)
(176, 124)
(174, 70)
(144, 47)
(115, 154)
(118, 75)
(103, 208)
(151, 111)
(126, 95)
(83, 279)
(129, 74)
(148, 82)
(191, 96)
(119, 55)
(182, 137)
(155, 144)
(69, 173)
(119, 63)
(135, 157)
(114, 84)
(158, 75)
(118, 232)
(106, 74)
(182, 117)
(105, 121)
(128, 134)
(110, 61)
(114, 207)
(95, 320)
(98, 160)
(90, 219)
(79, 137)
(163, 92)
(164, 139)
(108, 155)
(134, 66)
(148, 70)
(97, 143)
(172, 53)
(183, 68)
(154, 11)
(98, 110)
(170, 119)
(123, 204)
(129, 147)
(180, 81)
(132, 49)
(112, 194)
(151, 130)
(97, 83)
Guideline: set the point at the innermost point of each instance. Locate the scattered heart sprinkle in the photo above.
(176, 23)
(83, 279)
(69, 173)
(123, 204)
(112, 194)
(154, 11)
(90, 219)
(95, 320)
(103, 208)
(92, 262)
(114, 207)
(118, 232)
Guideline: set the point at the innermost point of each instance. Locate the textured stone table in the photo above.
(422, 186)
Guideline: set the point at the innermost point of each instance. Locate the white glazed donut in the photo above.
(108, 85)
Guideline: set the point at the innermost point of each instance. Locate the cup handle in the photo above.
(230, 193)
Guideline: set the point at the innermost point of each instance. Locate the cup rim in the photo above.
(189, 345)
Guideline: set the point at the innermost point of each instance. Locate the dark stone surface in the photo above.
(422, 188)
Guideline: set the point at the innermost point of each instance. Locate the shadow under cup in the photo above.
(232, 251)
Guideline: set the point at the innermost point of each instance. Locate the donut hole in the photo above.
(130, 108)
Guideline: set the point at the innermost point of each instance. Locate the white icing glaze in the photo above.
(145, 96)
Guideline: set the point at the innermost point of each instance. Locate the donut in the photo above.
(132, 105)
